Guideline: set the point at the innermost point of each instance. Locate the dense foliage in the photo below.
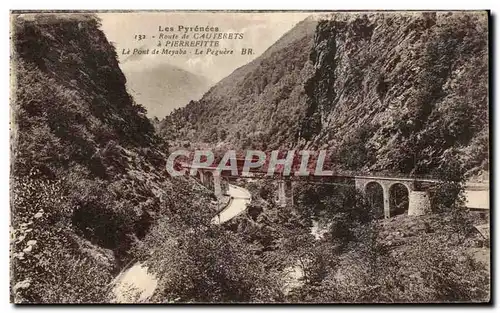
(87, 175)
(360, 258)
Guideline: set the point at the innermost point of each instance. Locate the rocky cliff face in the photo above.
(397, 92)
(405, 93)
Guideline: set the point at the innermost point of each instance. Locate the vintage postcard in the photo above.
(250, 157)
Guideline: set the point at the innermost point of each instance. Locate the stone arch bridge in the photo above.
(418, 200)
(418, 195)
(417, 190)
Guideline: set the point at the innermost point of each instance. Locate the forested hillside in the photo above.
(87, 176)
(395, 92)
(259, 103)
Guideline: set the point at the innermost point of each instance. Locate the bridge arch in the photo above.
(399, 195)
(208, 179)
(374, 192)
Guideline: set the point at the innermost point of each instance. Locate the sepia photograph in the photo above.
(221, 157)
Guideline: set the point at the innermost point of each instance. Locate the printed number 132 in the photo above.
(139, 37)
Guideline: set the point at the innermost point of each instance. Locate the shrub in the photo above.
(46, 261)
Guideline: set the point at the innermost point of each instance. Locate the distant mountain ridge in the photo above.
(163, 88)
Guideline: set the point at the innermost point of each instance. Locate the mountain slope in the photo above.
(258, 99)
(396, 92)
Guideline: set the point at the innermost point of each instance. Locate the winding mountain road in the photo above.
(239, 199)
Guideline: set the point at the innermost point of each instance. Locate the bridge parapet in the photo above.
(362, 181)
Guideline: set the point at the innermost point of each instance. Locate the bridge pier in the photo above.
(202, 177)
(285, 192)
(419, 203)
(387, 196)
(217, 185)
(221, 185)
(281, 193)
(289, 191)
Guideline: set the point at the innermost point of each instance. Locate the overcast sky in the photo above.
(260, 31)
